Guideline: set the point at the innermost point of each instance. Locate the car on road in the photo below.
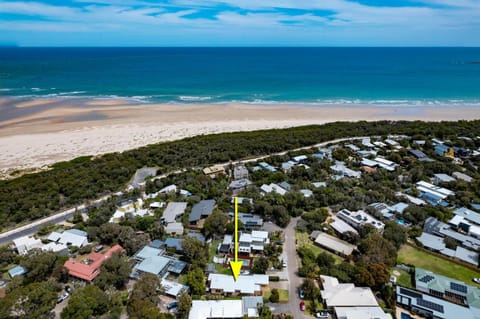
(172, 305)
(476, 280)
(62, 297)
(302, 305)
(321, 314)
(301, 295)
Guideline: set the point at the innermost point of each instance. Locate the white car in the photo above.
(476, 280)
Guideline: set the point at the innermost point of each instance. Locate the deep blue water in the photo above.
(260, 75)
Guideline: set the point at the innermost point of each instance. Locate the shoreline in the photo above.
(44, 133)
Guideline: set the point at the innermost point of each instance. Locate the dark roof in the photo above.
(174, 242)
(201, 209)
(198, 236)
(157, 243)
(177, 266)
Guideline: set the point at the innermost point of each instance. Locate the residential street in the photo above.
(292, 262)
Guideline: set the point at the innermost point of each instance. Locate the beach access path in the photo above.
(30, 228)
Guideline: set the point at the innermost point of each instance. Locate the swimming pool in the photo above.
(405, 316)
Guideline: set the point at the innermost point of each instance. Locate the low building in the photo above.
(250, 221)
(359, 218)
(447, 288)
(214, 171)
(130, 208)
(70, 237)
(172, 288)
(26, 243)
(254, 242)
(442, 178)
(463, 177)
(272, 188)
(334, 244)
(340, 170)
(266, 166)
(434, 195)
(88, 268)
(174, 229)
(240, 172)
(306, 193)
(361, 313)
(240, 184)
(335, 294)
(200, 210)
(173, 211)
(380, 162)
(245, 285)
(213, 309)
(421, 156)
(342, 227)
(17, 271)
(432, 307)
(154, 261)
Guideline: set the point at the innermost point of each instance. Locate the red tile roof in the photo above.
(89, 269)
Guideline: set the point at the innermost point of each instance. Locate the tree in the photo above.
(7, 256)
(146, 288)
(395, 233)
(216, 224)
(195, 279)
(310, 290)
(325, 260)
(86, 303)
(195, 251)
(275, 296)
(114, 272)
(140, 309)
(184, 304)
(132, 241)
(35, 300)
(260, 265)
(40, 264)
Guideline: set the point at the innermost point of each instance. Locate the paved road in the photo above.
(292, 262)
(31, 228)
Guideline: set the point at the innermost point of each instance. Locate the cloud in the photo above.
(319, 19)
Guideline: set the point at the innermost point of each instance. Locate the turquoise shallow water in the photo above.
(383, 76)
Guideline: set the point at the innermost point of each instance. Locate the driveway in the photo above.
(292, 262)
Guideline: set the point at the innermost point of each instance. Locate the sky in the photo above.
(240, 23)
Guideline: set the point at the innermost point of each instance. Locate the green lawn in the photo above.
(283, 293)
(304, 240)
(405, 279)
(413, 256)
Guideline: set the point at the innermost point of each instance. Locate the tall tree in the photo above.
(216, 224)
(114, 272)
(35, 300)
(86, 303)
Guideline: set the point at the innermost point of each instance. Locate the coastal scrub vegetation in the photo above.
(70, 183)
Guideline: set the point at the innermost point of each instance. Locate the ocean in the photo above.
(379, 76)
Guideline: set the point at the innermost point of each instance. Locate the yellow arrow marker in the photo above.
(236, 265)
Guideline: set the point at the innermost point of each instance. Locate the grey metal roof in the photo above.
(251, 303)
(174, 210)
(154, 265)
(468, 214)
(201, 209)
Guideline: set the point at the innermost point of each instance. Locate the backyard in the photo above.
(303, 239)
(412, 256)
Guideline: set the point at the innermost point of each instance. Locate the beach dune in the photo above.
(64, 130)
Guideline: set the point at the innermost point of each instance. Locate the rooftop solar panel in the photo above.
(410, 293)
(430, 305)
(458, 287)
(426, 278)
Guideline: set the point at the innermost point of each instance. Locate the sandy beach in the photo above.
(37, 133)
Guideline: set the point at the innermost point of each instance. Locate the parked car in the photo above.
(172, 305)
(476, 280)
(302, 305)
(68, 289)
(321, 314)
(300, 293)
(98, 248)
(62, 297)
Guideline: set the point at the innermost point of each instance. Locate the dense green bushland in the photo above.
(66, 184)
